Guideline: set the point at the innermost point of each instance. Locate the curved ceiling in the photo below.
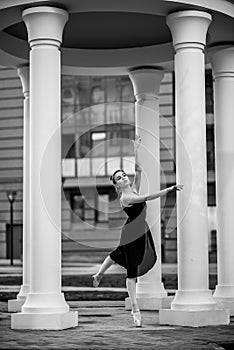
(109, 30)
(108, 34)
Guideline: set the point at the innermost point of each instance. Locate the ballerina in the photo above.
(136, 250)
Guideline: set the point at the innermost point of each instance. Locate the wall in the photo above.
(11, 149)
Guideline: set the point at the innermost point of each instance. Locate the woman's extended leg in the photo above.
(105, 265)
(131, 288)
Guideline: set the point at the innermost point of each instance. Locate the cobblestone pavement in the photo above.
(107, 325)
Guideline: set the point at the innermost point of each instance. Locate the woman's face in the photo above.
(122, 179)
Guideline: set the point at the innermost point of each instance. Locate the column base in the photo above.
(224, 297)
(45, 303)
(194, 318)
(193, 300)
(45, 321)
(226, 303)
(15, 305)
(151, 303)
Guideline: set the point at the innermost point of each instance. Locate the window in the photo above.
(102, 207)
(68, 95)
(77, 204)
(82, 209)
(68, 146)
(210, 147)
(127, 93)
(83, 167)
(209, 91)
(84, 144)
(93, 209)
(102, 130)
(123, 131)
(98, 166)
(114, 134)
(211, 193)
(98, 143)
(68, 167)
(97, 95)
(98, 136)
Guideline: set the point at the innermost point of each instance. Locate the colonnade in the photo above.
(40, 301)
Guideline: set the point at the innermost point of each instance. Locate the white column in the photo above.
(15, 305)
(193, 304)
(45, 306)
(151, 294)
(223, 71)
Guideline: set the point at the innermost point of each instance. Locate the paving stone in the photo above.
(107, 325)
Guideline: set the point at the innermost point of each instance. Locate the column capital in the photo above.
(23, 73)
(222, 61)
(146, 83)
(45, 24)
(189, 28)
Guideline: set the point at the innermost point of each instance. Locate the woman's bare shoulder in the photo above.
(129, 195)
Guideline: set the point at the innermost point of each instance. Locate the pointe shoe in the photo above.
(96, 280)
(137, 318)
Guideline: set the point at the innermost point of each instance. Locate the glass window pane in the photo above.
(68, 146)
(98, 143)
(78, 208)
(127, 92)
(128, 113)
(97, 114)
(113, 112)
(209, 91)
(83, 167)
(129, 165)
(98, 91)
(83, 87)
(89, 214)
(97, 136)
(127, 146)
(114, 146)
(84, 144)
(68, 95)
(111, 91)
(68, 167)
(98, 166)
(113, 163)
(103, 206)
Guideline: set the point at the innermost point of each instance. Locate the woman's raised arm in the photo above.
(127, 199)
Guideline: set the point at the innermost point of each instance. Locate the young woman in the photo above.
(136, 251)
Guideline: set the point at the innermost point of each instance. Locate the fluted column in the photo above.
(146, 83)
(15, 305)
(193, 304)
(45, 306)
(222, 60)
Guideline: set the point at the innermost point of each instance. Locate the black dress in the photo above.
(136, 251)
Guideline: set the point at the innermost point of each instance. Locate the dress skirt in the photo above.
(136, 251)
